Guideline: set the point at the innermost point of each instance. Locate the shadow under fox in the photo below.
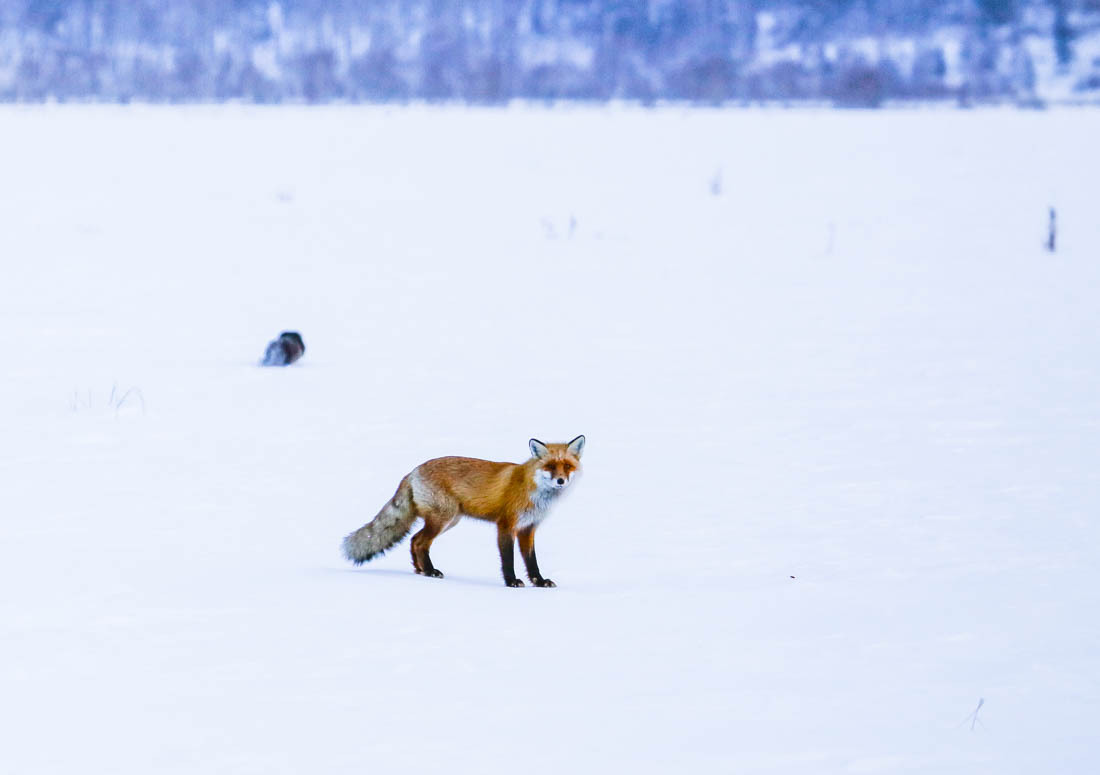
(515, 496)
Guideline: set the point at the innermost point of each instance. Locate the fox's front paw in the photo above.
(434, 573)
(541, 582)
(514, 583)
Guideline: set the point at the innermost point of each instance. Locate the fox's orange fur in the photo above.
(515, 496)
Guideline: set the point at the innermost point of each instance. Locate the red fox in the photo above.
(516, 496)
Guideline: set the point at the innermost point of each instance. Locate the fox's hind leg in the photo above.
(417, 567)
(422, 542)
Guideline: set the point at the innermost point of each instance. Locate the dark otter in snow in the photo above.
(288, 348)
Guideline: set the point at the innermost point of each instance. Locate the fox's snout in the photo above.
(556, 480)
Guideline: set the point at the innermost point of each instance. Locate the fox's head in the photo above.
(556, 464)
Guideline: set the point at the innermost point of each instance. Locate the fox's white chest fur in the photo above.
(544, 496)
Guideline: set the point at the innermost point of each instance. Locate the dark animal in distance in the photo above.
(285, 350)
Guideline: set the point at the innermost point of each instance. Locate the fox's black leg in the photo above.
(527, 549)
(421, 542)
(505, 543)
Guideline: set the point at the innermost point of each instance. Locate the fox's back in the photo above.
(482, 488)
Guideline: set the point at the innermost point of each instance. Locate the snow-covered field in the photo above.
(842, 416)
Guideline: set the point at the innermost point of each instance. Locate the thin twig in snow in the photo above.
(135, 391)
(973, 717)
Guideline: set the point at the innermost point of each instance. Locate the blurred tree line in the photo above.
(857, 52)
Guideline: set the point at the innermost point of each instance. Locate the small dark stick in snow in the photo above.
(1052, 230)
(973, 717)
(288, 348)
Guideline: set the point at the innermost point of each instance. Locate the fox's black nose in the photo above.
(560, 480)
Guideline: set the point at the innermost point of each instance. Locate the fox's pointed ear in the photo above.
(576, 446)
(538, 449)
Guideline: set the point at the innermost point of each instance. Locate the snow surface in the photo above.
(842, 424)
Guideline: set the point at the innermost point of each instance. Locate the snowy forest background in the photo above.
(848, 52)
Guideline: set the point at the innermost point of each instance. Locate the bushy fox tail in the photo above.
(393, 523)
